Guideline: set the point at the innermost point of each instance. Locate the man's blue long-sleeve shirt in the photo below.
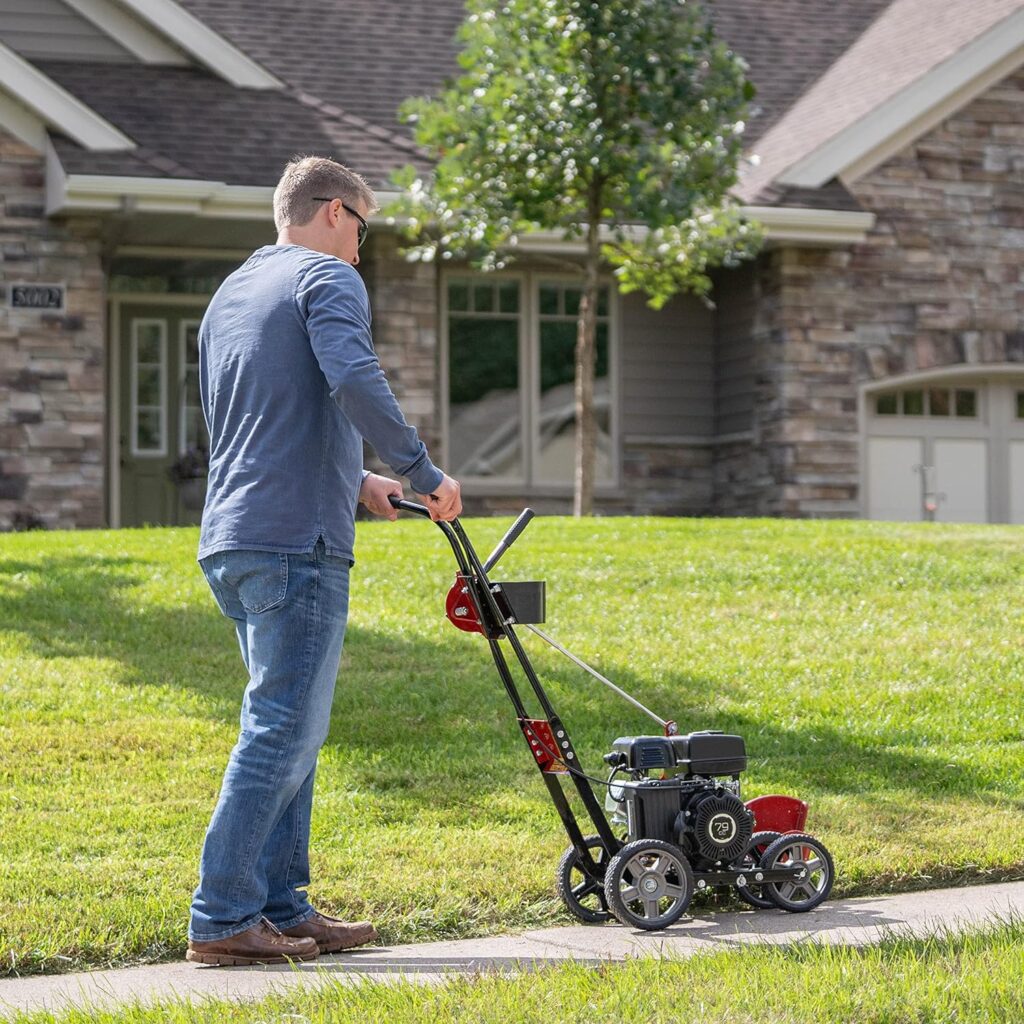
(290, 387)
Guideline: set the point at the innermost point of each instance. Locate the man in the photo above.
(290, 387)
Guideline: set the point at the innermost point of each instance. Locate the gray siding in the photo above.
(51, 29)
(735, 374)
(667, 367)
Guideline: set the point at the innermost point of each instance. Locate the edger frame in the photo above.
(643, 881)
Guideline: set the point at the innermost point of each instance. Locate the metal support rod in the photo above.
(597, 675)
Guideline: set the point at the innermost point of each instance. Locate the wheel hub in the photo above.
(650, 885)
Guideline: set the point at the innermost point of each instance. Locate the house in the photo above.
(869, 363)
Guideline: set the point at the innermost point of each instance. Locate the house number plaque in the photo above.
(36, 296)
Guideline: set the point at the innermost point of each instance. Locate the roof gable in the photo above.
(37, 99)
(916, 64)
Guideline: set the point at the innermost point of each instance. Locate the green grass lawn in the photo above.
(875, 670)
(948, 979)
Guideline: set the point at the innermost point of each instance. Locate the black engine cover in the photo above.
(716, 825)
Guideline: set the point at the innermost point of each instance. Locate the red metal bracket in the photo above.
(542, 742)
(459, 607)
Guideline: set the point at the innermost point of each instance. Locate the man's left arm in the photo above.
(333, 299)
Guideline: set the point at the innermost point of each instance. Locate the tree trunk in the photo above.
(586, 359)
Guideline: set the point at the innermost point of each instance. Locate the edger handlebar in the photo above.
(504, 544)
(509, 539)
(409, 506)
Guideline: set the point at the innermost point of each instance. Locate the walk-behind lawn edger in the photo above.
(678, 823)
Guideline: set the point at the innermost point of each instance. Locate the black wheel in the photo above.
(648, 884)
(813, 886)
(583, 897)
(753, 893)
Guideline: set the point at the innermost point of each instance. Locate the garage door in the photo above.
(949, 451)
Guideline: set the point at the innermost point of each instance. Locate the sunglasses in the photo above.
(363, 229)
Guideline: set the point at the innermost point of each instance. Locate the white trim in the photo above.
(205, 45)
(100, 192)
(138, 39)
(21, 122)
(114, 422)
(965, 371)
(183, 325)
(57, 107)
(160, 252)
(68, 193)
(780, 223)
(863, 145)
(161, 298)
(688, 440)
(822, 227)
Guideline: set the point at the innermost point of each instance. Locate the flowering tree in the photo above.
(618, 122)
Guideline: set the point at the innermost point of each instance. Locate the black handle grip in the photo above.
(409, 506)
(510, 538)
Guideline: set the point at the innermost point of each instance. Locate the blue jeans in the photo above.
(289, 612)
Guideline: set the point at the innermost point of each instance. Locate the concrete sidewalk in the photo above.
(851, 922)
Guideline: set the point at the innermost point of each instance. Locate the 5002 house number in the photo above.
(37, 296)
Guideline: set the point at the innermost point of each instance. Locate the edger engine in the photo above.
(683, 790)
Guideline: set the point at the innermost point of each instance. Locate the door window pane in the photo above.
(913, 403)
(967, 402)
(149, 387)
(485, 424)
(147, 342)
(938, 402)
(886, 405)
(148, 433)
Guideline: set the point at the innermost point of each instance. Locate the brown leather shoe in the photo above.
(261, 944)
(332, 935)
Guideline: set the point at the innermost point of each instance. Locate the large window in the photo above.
(510, 376)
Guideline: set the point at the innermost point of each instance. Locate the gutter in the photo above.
(95, 193)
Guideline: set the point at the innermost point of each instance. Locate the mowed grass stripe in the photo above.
(875, 670)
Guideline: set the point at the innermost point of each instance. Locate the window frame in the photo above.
(183, 325)
(530, 283)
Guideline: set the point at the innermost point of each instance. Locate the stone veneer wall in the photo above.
(52, 397)
(937, 283)
(746, 391)
(403, 301)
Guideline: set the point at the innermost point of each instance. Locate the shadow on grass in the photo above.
(427, 721)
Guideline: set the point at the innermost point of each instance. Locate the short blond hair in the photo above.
(306, 177)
